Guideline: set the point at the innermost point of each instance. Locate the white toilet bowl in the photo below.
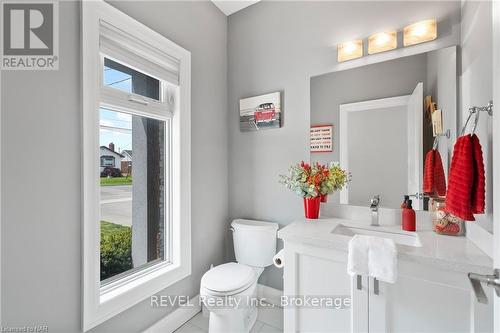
(229, 291)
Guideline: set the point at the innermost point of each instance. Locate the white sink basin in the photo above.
(400, 237)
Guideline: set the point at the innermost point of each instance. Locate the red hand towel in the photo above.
(428, 173)
(434, 178)
(478, 187)
(439, 177)
(459, 197)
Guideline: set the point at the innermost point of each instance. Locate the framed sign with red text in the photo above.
(321, 138)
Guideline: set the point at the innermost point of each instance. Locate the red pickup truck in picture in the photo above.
(265, 113)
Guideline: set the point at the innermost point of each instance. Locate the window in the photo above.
(136, 172)
(107, 161)
(124, 78)
(133, 219)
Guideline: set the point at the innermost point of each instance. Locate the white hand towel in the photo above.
(383, 259)
(357, 260)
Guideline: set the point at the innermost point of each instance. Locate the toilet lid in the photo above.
(228, 277)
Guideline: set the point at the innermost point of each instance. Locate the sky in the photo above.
(122, 138)
(116, 127)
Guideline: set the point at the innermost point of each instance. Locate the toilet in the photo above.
(229, 291)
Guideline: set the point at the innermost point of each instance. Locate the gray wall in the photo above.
(442, 77)
(41, 247)
(296, 42)
(477, 85)
(41, 163)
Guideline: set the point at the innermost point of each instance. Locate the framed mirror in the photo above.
(383, 128)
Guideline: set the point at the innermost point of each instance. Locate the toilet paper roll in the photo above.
(279, 259)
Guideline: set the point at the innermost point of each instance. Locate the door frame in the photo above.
(496, 152)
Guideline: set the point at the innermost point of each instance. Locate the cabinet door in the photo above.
(426, 300)
(316, 272)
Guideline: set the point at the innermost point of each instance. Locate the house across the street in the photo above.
(109, 157)
(126, 165)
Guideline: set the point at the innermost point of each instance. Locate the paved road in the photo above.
(116, 204)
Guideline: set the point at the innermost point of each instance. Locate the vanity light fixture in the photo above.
(419, 32)
(350, 50)
(382, 41)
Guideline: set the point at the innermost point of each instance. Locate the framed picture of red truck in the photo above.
(260, 112)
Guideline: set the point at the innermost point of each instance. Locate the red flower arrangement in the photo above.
(314, 182)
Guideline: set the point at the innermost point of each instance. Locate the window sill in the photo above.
(135, 280)
(124, 293)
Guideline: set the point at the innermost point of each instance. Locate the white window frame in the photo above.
(102, 303)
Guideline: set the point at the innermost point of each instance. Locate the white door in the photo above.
(415, 144)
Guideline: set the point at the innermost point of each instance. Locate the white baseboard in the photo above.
(177, 318)
(271, 295)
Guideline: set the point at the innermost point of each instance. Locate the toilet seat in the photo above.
(228, 279)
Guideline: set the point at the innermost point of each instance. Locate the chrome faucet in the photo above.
(374, 208)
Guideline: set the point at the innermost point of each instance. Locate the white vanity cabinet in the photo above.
(315, 271)
(424, 298)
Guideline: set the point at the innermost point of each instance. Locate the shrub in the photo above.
(116, 252)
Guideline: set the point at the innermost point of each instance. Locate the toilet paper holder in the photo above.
(279, 260)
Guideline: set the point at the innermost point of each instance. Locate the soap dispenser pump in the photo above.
(408, 222)
(405, 201)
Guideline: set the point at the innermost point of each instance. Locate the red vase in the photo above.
(311, 207)
(324, 197)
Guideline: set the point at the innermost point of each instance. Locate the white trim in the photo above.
(496, 151)
(1, 198)
(389, 102)
(98, 307)
(176, 318)
(415, 143)
(121, 101)
(344, 109)
(269, 294)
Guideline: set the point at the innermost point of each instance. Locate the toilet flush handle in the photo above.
(231, 228)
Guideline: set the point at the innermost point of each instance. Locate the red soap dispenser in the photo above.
(408, 222)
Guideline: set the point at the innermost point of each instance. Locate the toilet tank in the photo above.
(254, 242)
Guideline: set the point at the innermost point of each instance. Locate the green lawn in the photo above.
(116, 181)
(108, 228)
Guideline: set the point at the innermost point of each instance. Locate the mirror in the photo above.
(383, 129)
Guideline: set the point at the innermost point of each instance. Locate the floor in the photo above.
(269, 320)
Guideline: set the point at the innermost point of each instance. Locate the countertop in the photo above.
(444, 252)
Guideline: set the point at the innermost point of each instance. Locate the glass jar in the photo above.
(444, 223)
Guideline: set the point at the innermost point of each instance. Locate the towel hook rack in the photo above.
(476, 110)
(436, 138)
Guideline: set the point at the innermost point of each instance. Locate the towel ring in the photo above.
(476, 120)
(476, 110)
